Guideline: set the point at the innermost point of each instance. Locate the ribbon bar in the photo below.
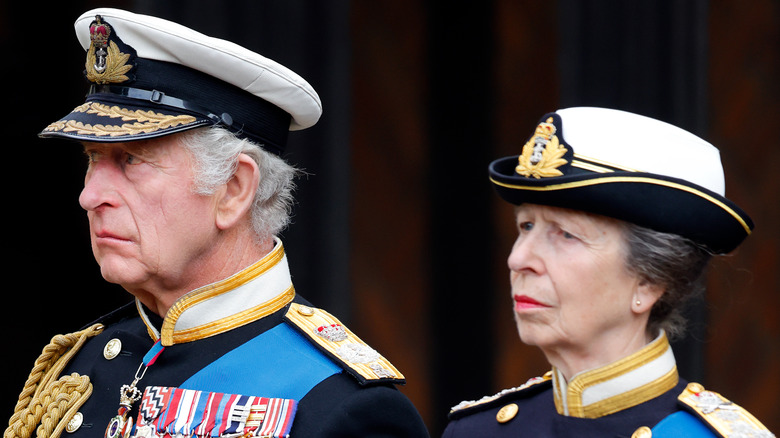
(179, 413)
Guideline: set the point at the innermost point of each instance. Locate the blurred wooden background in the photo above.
(397, 230)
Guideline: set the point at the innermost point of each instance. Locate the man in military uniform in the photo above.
(185, 192)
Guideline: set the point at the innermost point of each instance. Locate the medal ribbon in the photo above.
(120, 426)
(151, 356)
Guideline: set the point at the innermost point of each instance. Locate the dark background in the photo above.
(397, 230)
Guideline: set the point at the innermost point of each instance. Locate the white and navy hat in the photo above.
(628, 167)
(150, 77)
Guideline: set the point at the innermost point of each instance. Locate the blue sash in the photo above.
(681, 424)
(278, 363)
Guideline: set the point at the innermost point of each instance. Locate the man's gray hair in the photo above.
(216, 150)
(673, 262)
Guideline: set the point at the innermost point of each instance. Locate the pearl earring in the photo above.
(638, 303)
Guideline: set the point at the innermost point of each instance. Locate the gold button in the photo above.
(74, 423)
(695, 388)
(506, 413)
(112, 349)
(305, 310)
(642, 432)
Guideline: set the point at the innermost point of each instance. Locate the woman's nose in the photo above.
(525, 254)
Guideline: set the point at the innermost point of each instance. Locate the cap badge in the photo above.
(542, 153)
(105, 62)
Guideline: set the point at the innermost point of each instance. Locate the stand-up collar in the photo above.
(628, 382)
(253, 293)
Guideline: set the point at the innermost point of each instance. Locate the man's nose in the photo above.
(99, 186)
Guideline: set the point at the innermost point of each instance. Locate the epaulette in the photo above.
(342, 346)
(723, 416)
(528, 388)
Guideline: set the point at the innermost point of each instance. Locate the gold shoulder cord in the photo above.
(46, 405)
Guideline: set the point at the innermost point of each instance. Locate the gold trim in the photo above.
(642, 432)
(649, 353)
(489, 398)
(604, 163)
(309, 319)
(710, 407)
(575, 389)
(232, 321)
(632, 398)
(145, 121)
(629, 179)
(171, 336)
(590, 167)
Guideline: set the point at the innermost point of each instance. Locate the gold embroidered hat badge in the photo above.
(542, 153)
(106, 63)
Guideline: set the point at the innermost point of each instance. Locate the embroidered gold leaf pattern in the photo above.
(116, 66)
(144, 121)
(547, 166)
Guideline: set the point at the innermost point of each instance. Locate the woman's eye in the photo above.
(526, 226)
(569, 236)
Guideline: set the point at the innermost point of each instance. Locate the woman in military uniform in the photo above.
(618, 216)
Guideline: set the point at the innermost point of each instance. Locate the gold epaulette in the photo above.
(489, 398)
(725, 417)
(341, 345)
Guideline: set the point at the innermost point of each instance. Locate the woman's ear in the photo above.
(236, 197)
(645, 296)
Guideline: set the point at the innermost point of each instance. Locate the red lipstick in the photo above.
(523, 302)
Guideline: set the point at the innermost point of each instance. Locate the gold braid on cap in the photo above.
(47, 405)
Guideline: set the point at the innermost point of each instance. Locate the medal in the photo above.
(120, 426)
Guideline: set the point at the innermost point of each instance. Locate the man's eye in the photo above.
(526, 226)
(92, 156)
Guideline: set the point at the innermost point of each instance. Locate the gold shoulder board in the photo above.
(343, 346)
(725, 417)
(489, 398)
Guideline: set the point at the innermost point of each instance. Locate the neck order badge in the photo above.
(120, 426)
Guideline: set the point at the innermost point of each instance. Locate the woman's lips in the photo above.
(524, 302)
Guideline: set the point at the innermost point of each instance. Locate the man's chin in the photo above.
(121, 274)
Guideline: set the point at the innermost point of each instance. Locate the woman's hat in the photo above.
(628, 167)
(150, 77)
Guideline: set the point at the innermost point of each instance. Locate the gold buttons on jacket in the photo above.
(506, 413)
(75, 423)
(642, 432)
(112, 349)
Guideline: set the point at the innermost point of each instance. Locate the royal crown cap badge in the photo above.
(106, 63)
(543, 153)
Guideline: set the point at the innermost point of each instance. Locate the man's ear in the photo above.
(237, 195)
